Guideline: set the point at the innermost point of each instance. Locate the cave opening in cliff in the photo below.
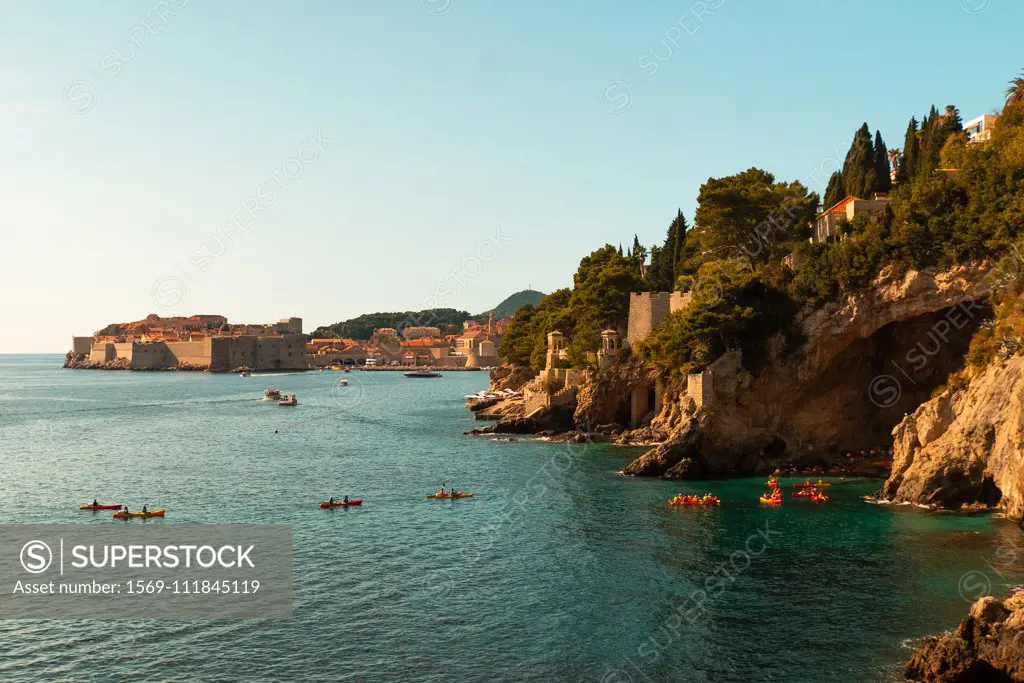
(877, 380)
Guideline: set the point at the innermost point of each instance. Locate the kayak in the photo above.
(151, 513)
(809, 485)
(450, 496)
(339, 503)
(771, 501)
(100, 507)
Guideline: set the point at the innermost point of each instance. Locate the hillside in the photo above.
(513, 303)
(363, 326)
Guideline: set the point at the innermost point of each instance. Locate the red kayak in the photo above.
(101, 507)
(340, 503)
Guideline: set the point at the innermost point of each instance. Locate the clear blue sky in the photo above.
(450, 119)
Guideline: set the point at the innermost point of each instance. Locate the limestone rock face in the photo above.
(510, 377)
(820, 396)
(602, 398)
(966, 445)
(680, 455)
(987, 646)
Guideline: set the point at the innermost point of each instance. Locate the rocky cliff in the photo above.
(966, 445)
(864, 363)
(987, 647)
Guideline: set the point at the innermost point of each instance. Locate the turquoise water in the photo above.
(559, 569)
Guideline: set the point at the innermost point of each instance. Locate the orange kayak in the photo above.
(771, 501)
(340, 503)
(100, 507)
(129, 515)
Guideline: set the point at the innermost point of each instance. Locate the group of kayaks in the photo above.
(773, 496)
(122, 511)
(693, 501)
(442, 494)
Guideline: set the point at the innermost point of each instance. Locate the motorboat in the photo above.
(271, 394)
(422, 373)
(288, 400)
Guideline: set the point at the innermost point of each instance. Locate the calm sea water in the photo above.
(559, 569)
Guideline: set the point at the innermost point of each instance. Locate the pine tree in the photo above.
(620, 248)
(835, 192)
(883, 180)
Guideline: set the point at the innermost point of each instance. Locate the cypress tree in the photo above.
(859, 174)
(680, 228)
(883, 181)
(908, 166)
(836, 190)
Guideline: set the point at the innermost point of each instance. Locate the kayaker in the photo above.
(331, 501)
(346, 500)
(95, 503)
(143, 509)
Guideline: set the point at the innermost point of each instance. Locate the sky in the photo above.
(328, 158)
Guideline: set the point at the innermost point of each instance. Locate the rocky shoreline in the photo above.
(987, 646)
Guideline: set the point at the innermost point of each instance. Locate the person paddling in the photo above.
(95, 503)
(331, 501)
(346, 500)
(144, 509)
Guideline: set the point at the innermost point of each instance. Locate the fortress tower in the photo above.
(648, 309)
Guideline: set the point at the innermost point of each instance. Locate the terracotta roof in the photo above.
(425, 341)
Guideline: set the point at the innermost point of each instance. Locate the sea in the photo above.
(559, 569)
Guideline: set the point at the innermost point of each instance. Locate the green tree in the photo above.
(748, 214)
(860, 175)
(1015, 93)
(517, 345)
(835, 191)
(599, 299)
(907, 167)
(665, 260)
(883, 180)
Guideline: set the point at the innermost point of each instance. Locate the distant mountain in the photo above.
(510, 305)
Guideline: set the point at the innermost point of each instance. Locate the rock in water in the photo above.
(987, 647)
(965, 446)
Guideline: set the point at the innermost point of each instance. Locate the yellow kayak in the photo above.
(151, 513)
(451, 496)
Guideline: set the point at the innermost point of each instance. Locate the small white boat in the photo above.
(343, 382)
(288, 400)
(245, 373)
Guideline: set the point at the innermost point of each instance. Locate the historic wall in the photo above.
(192, 353)
(648, 309)
(82, 345)
(219, 353)
(149, 356)
(101, 352)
